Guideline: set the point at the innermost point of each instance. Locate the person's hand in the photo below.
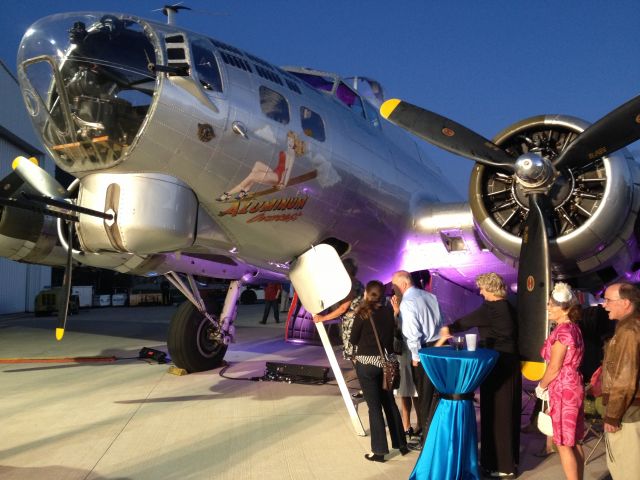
(441, 341)
(610, 428)
(317, 318)
(445, 332)
(542, 393)
(415, 363)
(395, 304)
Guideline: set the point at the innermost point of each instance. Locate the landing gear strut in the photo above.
(198, 339)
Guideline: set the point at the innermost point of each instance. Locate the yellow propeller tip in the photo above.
(533, 371)
(388, 107)
(19, 159)
(59, 333)
(16, 162)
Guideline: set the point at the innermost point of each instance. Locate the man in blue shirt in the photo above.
(421, 320)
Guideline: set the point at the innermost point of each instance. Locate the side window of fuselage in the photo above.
(206, 65)
(274, 105)
(312, 124)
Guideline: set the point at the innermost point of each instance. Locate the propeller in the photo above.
(446, 134)
(535, 174)
(612, 132)
(10, 188)
(63, 300)
(50, 194)
(39, 179)
(534, 278)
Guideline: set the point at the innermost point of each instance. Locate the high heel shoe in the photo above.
(374, 457)
(404, 450)
(409, 432)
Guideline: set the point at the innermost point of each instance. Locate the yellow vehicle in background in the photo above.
(46, 302)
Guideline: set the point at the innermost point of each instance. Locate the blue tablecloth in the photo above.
(451, 448)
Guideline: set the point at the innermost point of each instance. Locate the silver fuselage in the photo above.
(163, 149)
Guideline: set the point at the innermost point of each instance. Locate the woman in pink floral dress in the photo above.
(562, 382)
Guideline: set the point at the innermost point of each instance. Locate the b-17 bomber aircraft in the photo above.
(195, 158)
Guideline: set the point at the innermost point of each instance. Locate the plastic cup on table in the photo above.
(472, 341)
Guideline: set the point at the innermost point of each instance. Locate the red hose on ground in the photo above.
(59, 360)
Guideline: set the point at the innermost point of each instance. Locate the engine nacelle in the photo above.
(152, 213)
(594, 207)
(28, 236)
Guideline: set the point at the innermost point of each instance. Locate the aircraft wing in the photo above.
(445, 240)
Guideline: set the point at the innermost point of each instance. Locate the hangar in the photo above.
(20, 281)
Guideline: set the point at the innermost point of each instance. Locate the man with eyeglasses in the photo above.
(621, 382)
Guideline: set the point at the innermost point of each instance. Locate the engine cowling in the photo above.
(28, 236)
(594, 207)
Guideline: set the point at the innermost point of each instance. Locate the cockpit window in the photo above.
(206, 65)
(316, 81)
(350, 99)
(368, 89)
(312, 124)
(274, 105)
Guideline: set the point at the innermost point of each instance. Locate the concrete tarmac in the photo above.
(130, 419)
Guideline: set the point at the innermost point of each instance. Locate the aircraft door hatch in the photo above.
(319, 278)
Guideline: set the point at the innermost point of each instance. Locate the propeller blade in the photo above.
(446, 134)
(63, 299)
(41, 181)
(612, 132)
(534, 278)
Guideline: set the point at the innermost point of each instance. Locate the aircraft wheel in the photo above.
(190, 341)
(248, 297)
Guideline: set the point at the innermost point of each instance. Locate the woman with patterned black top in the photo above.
(369, 370)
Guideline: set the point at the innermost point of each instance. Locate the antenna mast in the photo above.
(171, 11)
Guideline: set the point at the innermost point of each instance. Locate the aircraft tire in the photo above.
(248, 297)
(188, 341)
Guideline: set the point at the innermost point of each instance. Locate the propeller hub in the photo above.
(533, 170)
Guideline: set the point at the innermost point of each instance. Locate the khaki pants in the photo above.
(623, 447)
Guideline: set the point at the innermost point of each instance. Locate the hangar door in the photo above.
(25, 280)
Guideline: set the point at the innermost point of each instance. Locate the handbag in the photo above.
(390, 365)
(544, 420)
(390, 375)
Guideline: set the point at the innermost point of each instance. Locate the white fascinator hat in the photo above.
(562, 294)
